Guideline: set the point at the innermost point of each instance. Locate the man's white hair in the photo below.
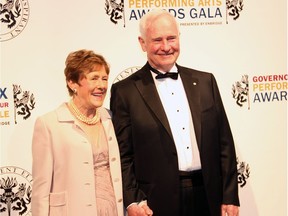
(148, 18)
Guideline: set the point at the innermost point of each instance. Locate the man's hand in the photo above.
(229, 210)
(139, 210)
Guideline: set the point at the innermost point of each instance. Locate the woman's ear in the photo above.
(72, 85)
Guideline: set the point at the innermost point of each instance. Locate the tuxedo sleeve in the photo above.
(120, 106)
(228, 155)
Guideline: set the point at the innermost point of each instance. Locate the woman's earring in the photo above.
(75, 91)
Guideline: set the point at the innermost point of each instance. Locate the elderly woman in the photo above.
(76, 163)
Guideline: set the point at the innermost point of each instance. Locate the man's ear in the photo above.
(142, 43)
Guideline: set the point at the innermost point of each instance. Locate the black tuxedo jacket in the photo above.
(148, 153)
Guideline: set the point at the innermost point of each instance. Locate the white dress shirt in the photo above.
(175, 103)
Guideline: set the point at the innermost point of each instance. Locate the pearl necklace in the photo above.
(76, 112)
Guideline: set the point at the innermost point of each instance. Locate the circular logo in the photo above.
(15, 191)
(14, 16)
(127, 72)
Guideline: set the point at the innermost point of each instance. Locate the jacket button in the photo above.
(113, 159)
(120, 200)
(116, 180)
(110, 138)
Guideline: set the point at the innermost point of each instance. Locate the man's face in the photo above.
(161, 43)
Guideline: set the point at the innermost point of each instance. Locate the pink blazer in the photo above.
(63, 175)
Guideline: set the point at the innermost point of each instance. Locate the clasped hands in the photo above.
(229, 210)
(141, 209)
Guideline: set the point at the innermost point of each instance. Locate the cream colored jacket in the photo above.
(63, 175)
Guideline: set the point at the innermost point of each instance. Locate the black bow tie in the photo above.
(164, 75)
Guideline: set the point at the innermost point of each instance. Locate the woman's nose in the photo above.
(101, 84)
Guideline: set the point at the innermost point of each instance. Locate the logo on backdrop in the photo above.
(240, 91)
(24, 102)
(15, 191)
(115, 10)
(243, 171)
(14, 16)
(22, 105)
(187, 12)
(127, 72)
(265, 89)
(234, 8)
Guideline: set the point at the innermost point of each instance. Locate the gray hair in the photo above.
(148, 18)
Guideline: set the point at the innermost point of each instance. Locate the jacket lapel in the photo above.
(191, 86)
(147, 89)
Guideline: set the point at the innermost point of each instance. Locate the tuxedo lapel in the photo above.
(147, 89)
(191, 86)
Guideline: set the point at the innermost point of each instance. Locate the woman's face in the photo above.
(91, 90)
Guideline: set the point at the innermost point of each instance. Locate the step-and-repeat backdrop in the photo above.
(242, 42)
